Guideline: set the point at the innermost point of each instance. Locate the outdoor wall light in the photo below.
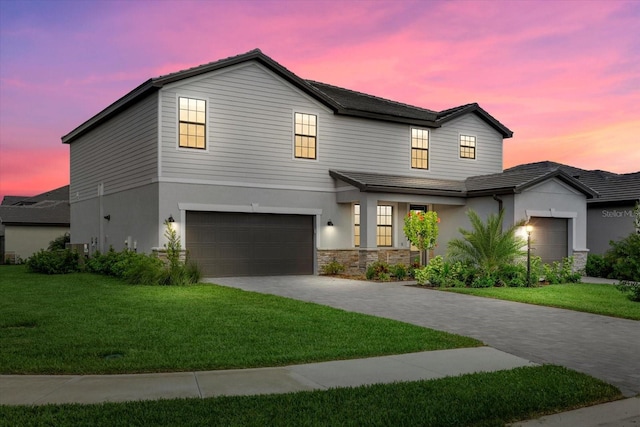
(330, 223)
(107, 217)
(170, 219)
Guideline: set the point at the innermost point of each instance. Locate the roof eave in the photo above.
(386, 117)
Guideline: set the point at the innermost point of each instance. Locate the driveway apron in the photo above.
(604, 347)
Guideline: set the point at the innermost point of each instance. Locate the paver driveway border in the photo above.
(604, 347)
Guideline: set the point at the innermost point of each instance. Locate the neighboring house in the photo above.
(266, 173)
(28, 224)
(609, 216)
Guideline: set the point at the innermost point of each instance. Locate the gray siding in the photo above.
(606, 223)
(121, 153)
(250, 131)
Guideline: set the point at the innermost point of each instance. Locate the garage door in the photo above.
(549, 238)
(250, 244)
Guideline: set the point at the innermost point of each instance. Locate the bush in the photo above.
(59, 242)
(333, 268)
(597, 266)
(483, 281)
(421, 275)
(631, 288)
(54, 262)
(624, 258)
(377, 268)
(399, 271)
(143, 270)
(560, 272)
(512, 275)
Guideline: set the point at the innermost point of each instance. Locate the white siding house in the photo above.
(264, 172)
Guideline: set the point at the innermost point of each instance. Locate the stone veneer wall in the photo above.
(580, 261)
(357, 260)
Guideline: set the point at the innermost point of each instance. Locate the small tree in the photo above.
(421, 228)
(172, 246)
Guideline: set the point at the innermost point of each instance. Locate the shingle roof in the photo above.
(374, 182)
(341, 101)
(612, 187)
(500, 183)
(49, 208)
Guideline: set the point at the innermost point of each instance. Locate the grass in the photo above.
(485, 399)
(91, 324)
(590, 298)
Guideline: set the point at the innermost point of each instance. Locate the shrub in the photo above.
(483, 281)
(631, 288)
(143, 270)
(513, 275)
(333, 268)
(597, 266)
(560, 272)
(375, 269)
(421, 275)
(399, 271)
(59, 242)
(54, 262)
(624, 258)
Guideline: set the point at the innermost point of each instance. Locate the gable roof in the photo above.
(613, 188)
(49, 208)
(341, 101)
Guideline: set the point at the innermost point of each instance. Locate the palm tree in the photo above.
(487, 246)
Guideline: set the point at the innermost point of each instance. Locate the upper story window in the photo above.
(467, 147)
(419, 148)
(192, 123)
(384, 229)
(306, 132)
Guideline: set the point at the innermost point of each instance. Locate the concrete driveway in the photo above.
(604, 347)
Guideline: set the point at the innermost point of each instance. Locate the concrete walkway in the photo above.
(43, 389)
(603, 347)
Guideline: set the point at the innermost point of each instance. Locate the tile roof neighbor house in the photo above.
(610, 215)
(28, 224)
(266, 173)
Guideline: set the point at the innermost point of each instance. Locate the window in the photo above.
(419, 148)
(306, 131)
(467, 147)
(192, 123)
(384, 230)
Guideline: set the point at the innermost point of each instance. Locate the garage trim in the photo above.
(552, 213)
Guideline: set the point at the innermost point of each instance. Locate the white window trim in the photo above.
(293, 135)
(207, 123)
(460, 146)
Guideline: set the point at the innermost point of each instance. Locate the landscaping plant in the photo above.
(333, 268)
(487, 247)
(421, 228)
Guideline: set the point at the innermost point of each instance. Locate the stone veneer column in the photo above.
(580, 260)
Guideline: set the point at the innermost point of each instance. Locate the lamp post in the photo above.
(529, 229)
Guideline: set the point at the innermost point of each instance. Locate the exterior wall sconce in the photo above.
(170, 219)
(107, 217)
(330, 223)
(529, 229)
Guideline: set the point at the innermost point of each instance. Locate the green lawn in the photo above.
(591, 298)
(84, 323)
(486, 399)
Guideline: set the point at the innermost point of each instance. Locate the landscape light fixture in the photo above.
(170, 219)
(529, 229)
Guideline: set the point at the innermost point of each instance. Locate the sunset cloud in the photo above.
(563, 75)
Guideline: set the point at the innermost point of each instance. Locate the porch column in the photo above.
(368, 223)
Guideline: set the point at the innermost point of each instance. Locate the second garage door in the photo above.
(250, 244)
(549, 238)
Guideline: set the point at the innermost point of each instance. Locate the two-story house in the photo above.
(265, 173)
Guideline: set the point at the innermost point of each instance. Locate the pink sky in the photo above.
(563, 75)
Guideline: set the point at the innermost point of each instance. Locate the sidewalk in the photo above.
(43, 389)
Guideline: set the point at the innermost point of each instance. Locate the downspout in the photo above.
(499, 200)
